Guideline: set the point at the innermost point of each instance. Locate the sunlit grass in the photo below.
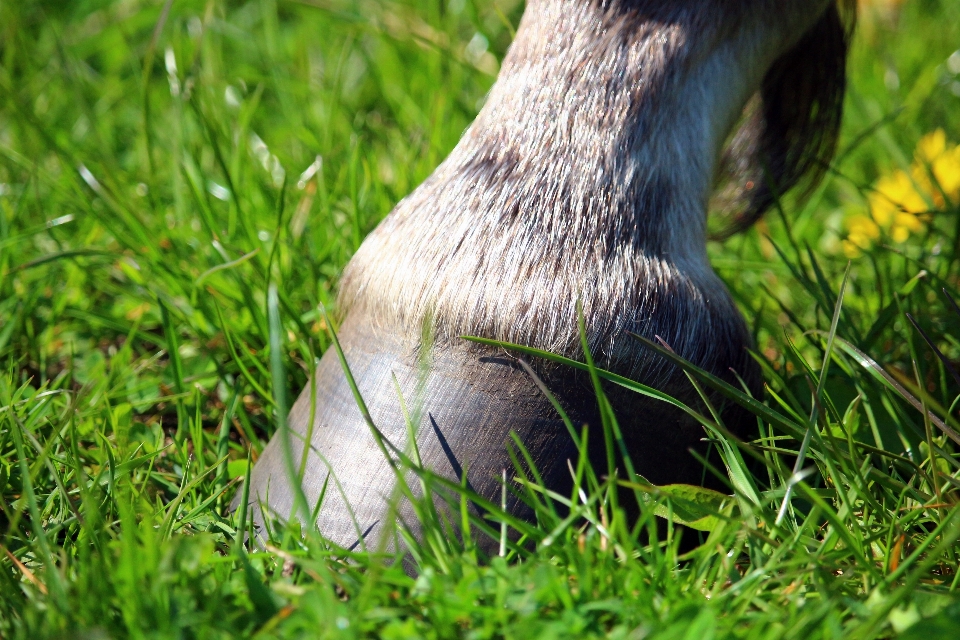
(162, 171)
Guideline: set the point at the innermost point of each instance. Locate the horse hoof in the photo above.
(466, 400)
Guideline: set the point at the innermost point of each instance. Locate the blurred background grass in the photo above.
(270, 138)
(162, 163)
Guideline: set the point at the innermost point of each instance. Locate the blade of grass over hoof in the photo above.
(578, 439)
(223, 439)
(396, 458)
(379, 438)
(242, 510)
(400, 460)
(412, 439)
(624, 382)
(608, 421)
(748, 402)
(503, 525)
(523, 471)
(311, 425)
(739, 476)
(301, 506)
(552, 398)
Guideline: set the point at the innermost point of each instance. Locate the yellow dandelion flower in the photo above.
(932, 146)
(908, 221)
(894, 194)
(851, 250)
(946, 171)
(933, 157)
(899, 234)
(862, 232)
(921, 177)
(902, 200)
(864, 227)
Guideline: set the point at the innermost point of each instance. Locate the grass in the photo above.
(165, 165)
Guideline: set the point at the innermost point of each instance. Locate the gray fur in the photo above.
(586, 176)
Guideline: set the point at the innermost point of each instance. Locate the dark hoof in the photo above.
(466, 400)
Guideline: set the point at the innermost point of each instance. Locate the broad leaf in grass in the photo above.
(695, 507)
(945, 624)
